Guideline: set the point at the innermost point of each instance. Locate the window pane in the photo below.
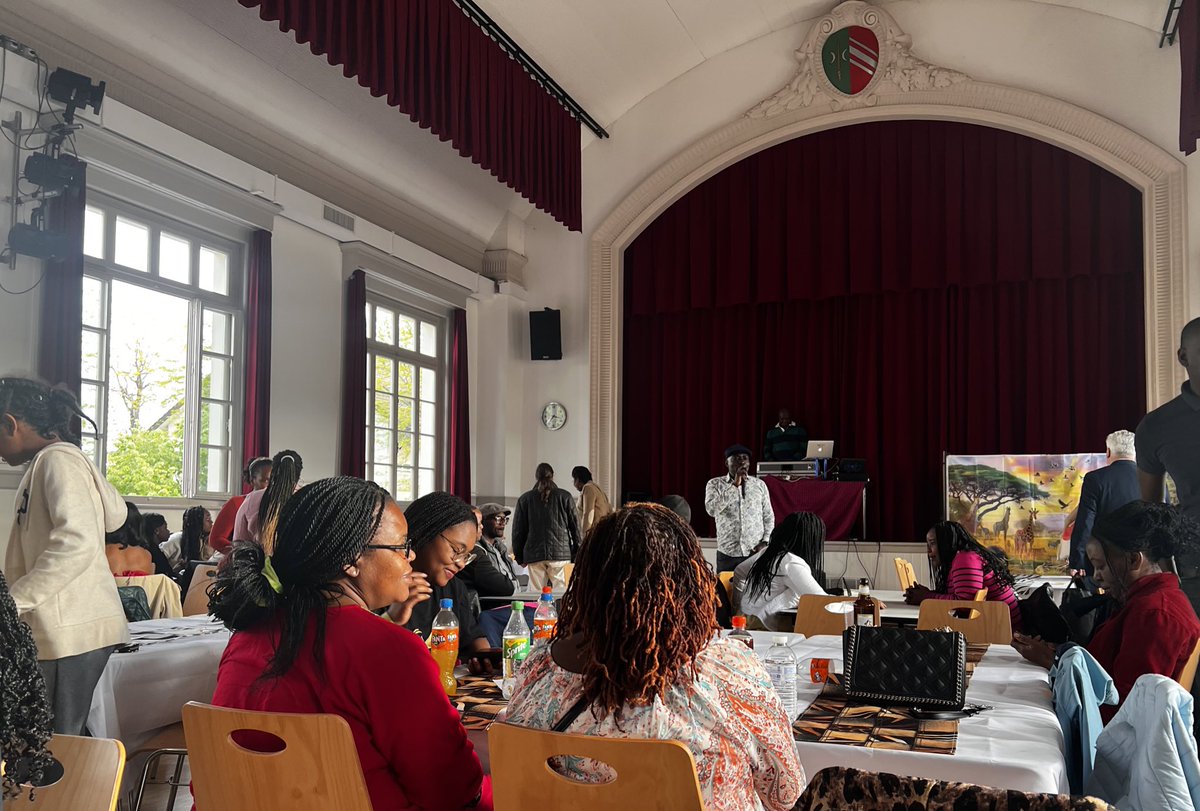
(383, 410)
(429, 340)
(89, 401)
(408, 333)
(215, 378)
(214, 270)
(214, 424)
(146, 397)
(404, 449)
(424, 482)
(93, 303)
(214, 470)
(428, 420)
(91, 345)
(404, 484)
(427, 446)
(217, 332)
(93, 232)
(370, 308)
(174, 258)
(383, 446)
(385, 326)
(89, 446)
(405, 373)
(428, 384)
(383, 373)
(404, 415)
(382, 476)
(132, 245)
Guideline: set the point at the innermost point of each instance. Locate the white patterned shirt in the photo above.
(744, 515)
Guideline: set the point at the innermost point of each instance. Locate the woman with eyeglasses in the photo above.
(442, 530)
(306, 639)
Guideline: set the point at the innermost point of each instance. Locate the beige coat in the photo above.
(55, 564)
(593, 505)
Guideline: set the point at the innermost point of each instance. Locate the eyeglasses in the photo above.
(461, 555)
(406, 547)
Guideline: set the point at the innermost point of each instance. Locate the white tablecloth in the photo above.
(143, 691)
(1017, 745)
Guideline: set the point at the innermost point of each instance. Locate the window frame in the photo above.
(439, 363)
(106, 270)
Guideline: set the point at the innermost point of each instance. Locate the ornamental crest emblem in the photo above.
(850, 56)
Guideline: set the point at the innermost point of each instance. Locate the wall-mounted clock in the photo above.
(554, 416)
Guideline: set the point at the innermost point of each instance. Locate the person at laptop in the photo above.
(742, 508)
(787, 441)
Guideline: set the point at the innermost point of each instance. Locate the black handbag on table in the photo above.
(926, 669)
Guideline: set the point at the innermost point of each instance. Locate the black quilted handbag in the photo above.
(926, 669)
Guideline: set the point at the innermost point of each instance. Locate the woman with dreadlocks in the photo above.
(771, 582)
(634, 656)
(960, 567)
(306, 640)
(25, 719)
(60, 580)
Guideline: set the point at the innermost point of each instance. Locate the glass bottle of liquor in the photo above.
(864, 606)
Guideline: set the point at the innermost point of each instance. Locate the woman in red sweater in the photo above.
(257, 474)
(306, 640)
(1155, 630)
(961, 566)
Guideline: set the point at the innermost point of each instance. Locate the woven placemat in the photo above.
(478, 700)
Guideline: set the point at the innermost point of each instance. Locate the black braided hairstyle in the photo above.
(192, 541)
(1159, 531)
(51, 410)
(952, 538)
(801, 534)
(286, 468)
(322, 529)
(26, 722)
(545, 481)
(434, 513)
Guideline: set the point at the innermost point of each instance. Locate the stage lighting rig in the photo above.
(76, 91)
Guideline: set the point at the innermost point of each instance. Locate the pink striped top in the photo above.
(967, 576)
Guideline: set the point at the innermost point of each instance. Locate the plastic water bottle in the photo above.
(739, 632)
(515, 644)
(443, 644)
(545, 618)
(781, 666)
(818, 670)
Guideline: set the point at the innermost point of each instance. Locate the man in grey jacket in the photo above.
(545, 531)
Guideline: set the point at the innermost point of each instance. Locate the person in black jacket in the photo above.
(545, 531)
(481, 576)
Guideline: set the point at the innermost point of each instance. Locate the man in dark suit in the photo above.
(1104, 490)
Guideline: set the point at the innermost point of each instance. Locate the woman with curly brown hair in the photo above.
(634, 656)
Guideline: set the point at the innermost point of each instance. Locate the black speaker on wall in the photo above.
(545, 335)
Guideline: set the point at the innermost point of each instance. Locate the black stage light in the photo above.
(76, 91)
(52, 174)
(26, 240)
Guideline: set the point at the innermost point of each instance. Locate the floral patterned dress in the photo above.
(730, 717)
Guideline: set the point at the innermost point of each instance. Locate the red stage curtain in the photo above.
(1189, 76)
(459, 480)
(256, 440)
(354, 378)
(61, 320)
(433, 63)
(907, 288)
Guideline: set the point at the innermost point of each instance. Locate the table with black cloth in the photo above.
(839, 504)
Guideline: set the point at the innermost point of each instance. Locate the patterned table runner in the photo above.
(479, 700)
(832, 718)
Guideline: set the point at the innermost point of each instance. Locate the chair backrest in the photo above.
(813, 619)
(317, 769)
(196, 601)
(1188, 675)
(651, 775)
(989, 622)
(726, 579)
(905, 573)
(91, 779)
(135, 603)
(981, 595)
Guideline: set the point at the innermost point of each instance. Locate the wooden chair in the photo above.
(726, 579)
(652, 775)
(196, 601)
(168, 742)
(906, 574)
(981, 595)
(1188, 676)
(812, 619)
(91, 776)
(317, 769)
(990, 622)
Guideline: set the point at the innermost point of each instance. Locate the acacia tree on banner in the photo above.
(986, 489)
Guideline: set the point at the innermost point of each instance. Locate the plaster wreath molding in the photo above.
(897, 69)
(903, 87)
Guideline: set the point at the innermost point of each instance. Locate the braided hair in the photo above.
(434, 513)
(51, 410)
(26, 722)
(1159, 531)
(545, 481)
(323, 529)
(192, 541)
(642, 600)
(800, 534)
(286, 468)
(952, 538)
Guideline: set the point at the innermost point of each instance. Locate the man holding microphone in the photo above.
(742, 508)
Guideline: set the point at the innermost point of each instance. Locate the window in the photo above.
(162, 318)
(405, 399)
